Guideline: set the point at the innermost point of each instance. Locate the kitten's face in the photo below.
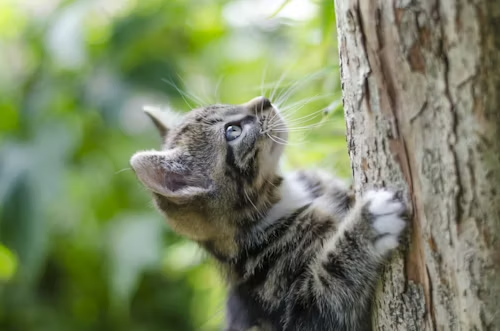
(211, 164)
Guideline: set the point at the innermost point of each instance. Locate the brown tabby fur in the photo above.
(298, 252)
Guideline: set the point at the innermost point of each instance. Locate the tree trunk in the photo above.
(421, 81)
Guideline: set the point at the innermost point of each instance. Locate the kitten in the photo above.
(298, 252)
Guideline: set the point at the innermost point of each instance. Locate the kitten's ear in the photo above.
(162, 118)
(164, 173)
(158, 119)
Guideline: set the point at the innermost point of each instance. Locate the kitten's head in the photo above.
(216, 163)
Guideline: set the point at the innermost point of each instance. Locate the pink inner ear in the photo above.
(154, 170)
(175, 181)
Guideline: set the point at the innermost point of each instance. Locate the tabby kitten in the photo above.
(298, 252)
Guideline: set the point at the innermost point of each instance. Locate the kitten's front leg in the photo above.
(338, 291)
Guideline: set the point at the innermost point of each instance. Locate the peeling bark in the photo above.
(420, 81)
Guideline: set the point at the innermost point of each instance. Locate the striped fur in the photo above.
(298, 252)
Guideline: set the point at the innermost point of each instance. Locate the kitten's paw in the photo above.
(385, 211)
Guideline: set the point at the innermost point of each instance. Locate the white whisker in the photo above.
(193, 96)
(272, 138)
(304, 102)
(216, 93)
(262, 80)
(297, 109)
(288, 128)
(302, 128)
(280, 80)
(269, 182)
(259, 214)
(122, 170)
(311, 120)
(285, 95)
(281, 141)
(183, 94)
(286, 115)
(308, 117)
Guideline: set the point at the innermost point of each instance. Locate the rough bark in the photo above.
(420, 82)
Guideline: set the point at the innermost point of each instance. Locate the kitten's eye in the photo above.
(233, 132)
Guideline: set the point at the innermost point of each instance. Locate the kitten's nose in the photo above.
(258, 104)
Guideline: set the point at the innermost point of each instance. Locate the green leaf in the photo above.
(8, 263)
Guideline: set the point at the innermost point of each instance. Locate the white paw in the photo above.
(386, 211)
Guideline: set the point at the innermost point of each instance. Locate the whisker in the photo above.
(122, 170)
(281, 141)
(262, 79)
(320, 112)
(271, 183)
(216, 93)
(298, 108)
(282, 77)
(287, 115)
(305, 101)
(259, 214)
(303, 128)
(285, 95)
(316, 112)
(196, 98)
(283, 128)
(272, 84)
(272, 138)
(203, 92)
(274, 124)
(301, 121)
(183, 94)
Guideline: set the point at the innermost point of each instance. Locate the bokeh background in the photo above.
(81, 247)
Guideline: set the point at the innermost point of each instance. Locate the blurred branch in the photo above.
(280, 8)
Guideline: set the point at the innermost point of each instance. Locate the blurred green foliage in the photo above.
(81, 247)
